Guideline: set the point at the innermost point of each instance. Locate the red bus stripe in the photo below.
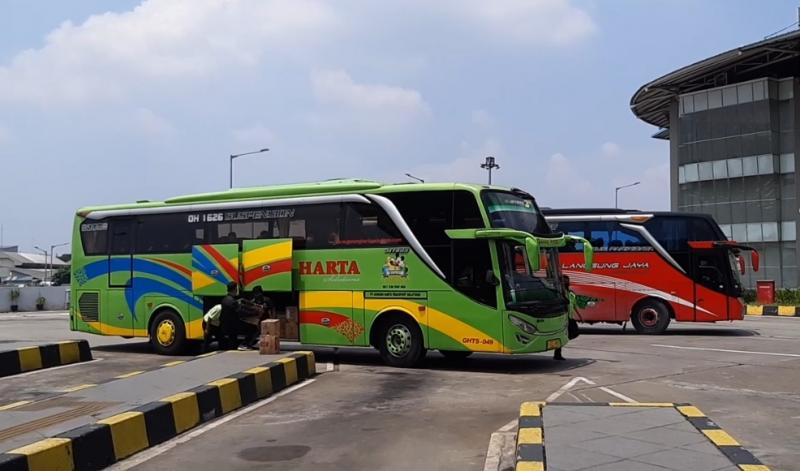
(222, 262)
(175, 266)
(257, 273)
(315, 317)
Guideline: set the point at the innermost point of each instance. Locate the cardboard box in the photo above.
(290, 330)
(271, 327)
(291, 313)
(269, 345)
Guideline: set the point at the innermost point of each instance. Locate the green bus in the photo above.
(401, 267)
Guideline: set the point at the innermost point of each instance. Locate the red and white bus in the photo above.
(651, 267)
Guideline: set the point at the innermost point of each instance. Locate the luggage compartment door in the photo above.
(267, 263)
(213, 267)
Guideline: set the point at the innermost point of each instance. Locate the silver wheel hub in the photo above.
(398, 340)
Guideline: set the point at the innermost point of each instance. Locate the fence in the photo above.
(57, 298)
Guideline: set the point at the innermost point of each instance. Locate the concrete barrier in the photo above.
(101, 444)
(56, 298)
(38, 357)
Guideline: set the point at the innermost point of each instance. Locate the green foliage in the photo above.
(14, 294)
(41, 300)
(61, 277)
(788, 297)
(749, 296)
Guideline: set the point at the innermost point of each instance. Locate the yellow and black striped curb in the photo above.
(783, 311)
(530, 434)
(101, 444)
(80, 387)
(37, 357)
(530, 437)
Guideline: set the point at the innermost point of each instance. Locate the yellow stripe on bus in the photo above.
(323, 299)
(267, 254)
(200, 280)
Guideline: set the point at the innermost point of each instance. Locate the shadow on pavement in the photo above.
(128, 347)
(476, 363)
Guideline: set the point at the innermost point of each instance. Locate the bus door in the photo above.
(116, 317)
(213, 267)
(712, 283)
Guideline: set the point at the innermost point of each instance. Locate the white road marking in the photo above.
(617, 395)
(166, 446)
(567, 387)
(509, 426)
(329, 367)
(500, 445)
(50, 369)
(793, 355)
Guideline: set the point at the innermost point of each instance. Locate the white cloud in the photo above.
(564, 180)
(370, 105)
(550, 22)
(152, 124)
(610, 149)
(111, 53)
(482, 119)
(257, 135)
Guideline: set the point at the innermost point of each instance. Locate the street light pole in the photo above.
(616, 192)
(489, 165)
(235, 156)
(45, 261)
(52, 254)
(415, 178)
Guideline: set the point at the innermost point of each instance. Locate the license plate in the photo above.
(553, 344)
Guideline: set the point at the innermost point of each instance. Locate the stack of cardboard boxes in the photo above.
(273, 330)
(270, 342)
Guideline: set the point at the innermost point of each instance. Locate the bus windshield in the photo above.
(539, 292)
(514, 211)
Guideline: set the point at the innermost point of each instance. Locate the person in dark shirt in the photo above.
(229, 317)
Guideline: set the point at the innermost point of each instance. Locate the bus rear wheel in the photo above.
(651, 317)
(167, 333)
(400, 342)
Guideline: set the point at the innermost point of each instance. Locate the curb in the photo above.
(38, 357)
(101, 444)
(530, 434)
(783, 311)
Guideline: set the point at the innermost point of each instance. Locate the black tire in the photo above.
(651, 317)
(162, 342)
(455, 354)
(400, 342)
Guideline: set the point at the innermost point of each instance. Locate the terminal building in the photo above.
(732, 124)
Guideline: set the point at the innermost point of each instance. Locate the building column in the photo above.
(674, 133)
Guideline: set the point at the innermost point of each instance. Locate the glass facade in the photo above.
(736, 161)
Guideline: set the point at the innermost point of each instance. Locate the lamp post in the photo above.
(489, 165)
(616, 192)
(236, 156)
(415, 178)
(45, 261)
(52, 254)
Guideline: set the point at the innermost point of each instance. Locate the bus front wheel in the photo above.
(400, 342)
(651, 317)
(167, 333)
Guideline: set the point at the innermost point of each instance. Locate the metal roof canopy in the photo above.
(775, 56)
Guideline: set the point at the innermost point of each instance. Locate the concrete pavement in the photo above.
(363, 415)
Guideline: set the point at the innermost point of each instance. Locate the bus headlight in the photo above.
(525, 326)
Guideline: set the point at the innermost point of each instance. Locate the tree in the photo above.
(61, 277)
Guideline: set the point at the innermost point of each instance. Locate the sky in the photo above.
(106, 102)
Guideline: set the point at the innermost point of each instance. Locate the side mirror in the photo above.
(588, 257)
(491, 279)
(532, 250)
(741, 264)
(754, 258)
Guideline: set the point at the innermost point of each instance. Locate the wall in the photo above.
(56, 298)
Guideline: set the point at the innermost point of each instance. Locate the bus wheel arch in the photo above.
(398, 337)
(167, 331)
(651, 315)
